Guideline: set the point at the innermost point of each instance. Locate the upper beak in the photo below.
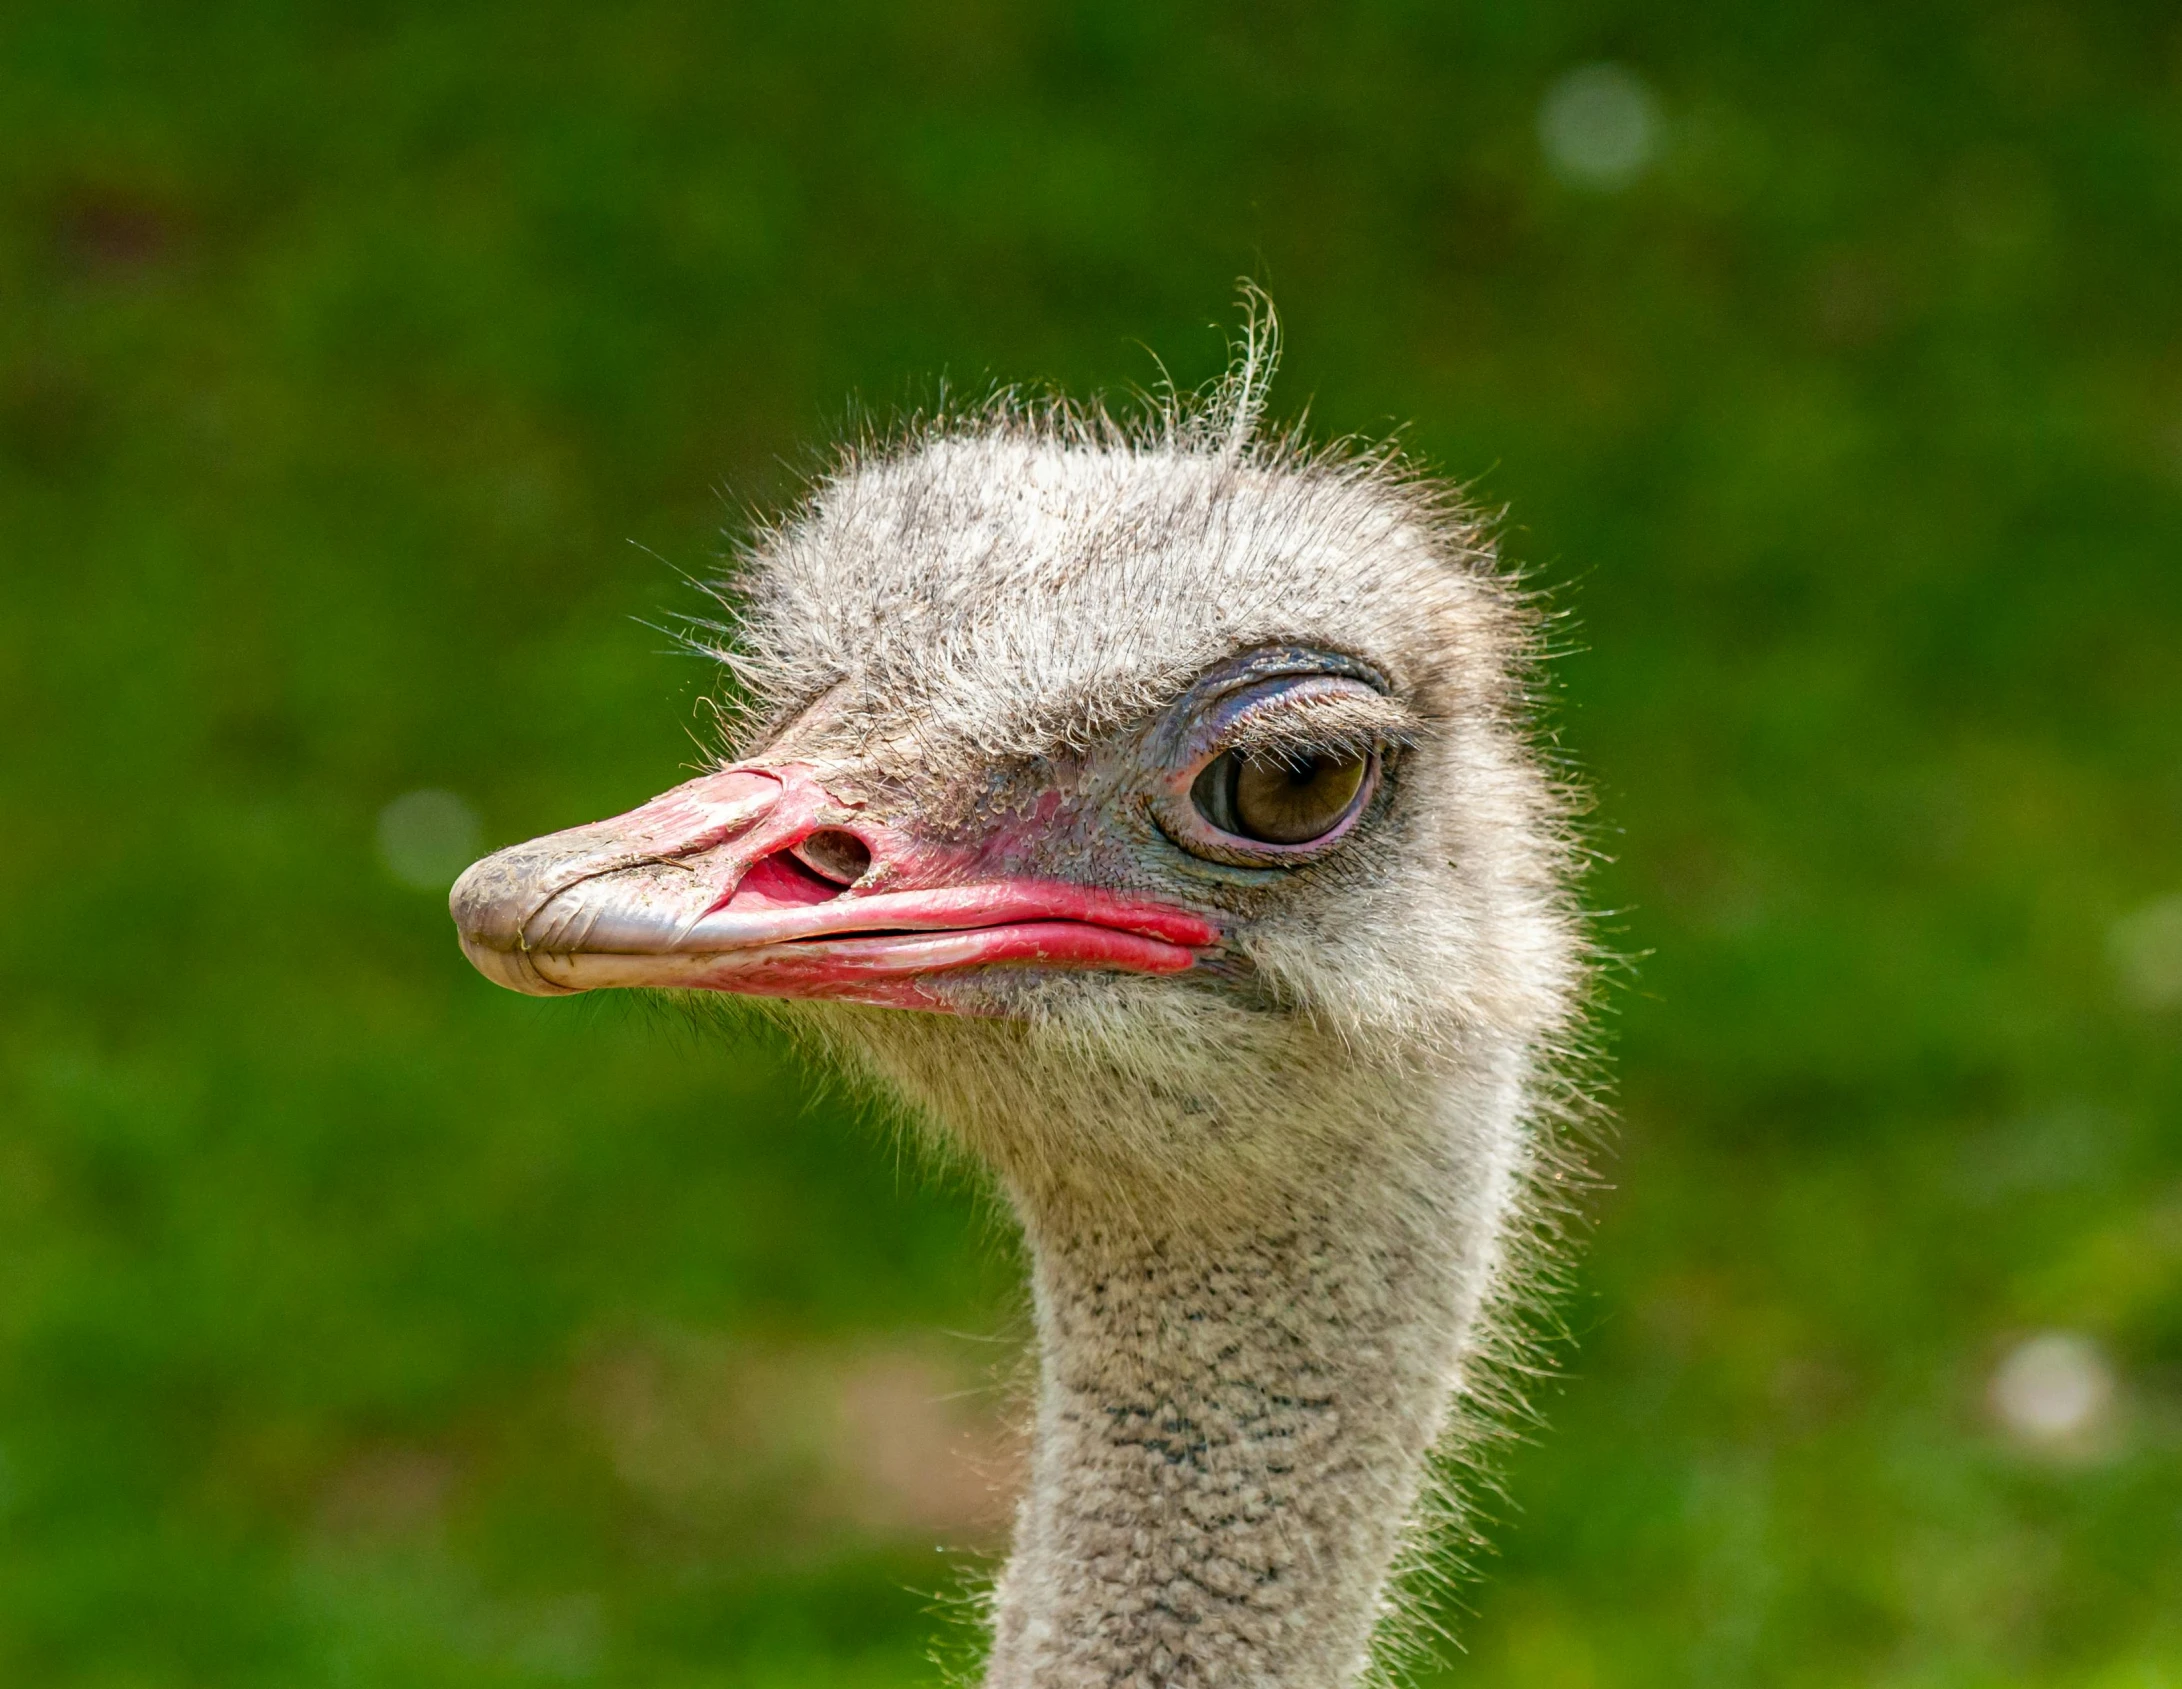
(758, 880)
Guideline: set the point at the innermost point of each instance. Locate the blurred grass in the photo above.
(342, 351)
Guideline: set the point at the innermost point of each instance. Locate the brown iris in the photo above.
(1283, 800)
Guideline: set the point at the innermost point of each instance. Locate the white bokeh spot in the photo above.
(2053, 1390)
(1600, 126)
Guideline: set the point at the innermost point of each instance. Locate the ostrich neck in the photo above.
(1233, 1427)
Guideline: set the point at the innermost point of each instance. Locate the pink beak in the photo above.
(757, 880)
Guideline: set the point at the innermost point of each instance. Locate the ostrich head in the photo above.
(1152, 810)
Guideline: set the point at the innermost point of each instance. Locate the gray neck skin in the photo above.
(1233, 1426)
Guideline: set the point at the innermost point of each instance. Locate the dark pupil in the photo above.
(1278, 801)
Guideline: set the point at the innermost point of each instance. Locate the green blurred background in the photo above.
(361, 1324)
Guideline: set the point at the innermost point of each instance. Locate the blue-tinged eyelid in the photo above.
(1192, 728)
(1221, 725)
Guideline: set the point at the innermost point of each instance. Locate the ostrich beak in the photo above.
(759, 881)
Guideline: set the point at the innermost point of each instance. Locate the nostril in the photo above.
(834, 854)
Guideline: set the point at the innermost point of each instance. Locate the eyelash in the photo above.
(1294, 721)
(1294, 753)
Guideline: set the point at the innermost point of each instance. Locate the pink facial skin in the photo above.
(698, 890)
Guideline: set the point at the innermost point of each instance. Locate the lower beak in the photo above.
(758, 881)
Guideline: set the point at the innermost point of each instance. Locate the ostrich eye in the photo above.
(1282, 801)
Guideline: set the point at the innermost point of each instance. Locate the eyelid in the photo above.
(1306, 721)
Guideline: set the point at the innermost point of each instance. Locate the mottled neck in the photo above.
(1233, 1427)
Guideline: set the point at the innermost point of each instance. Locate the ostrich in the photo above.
(1151, 808)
